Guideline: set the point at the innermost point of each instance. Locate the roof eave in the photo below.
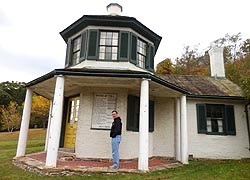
(118, 21)
(216, 97)
(70, 72)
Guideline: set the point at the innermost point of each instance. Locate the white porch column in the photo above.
(144, 126)
(184, 135)
(56, 122)
(48, 127)
(177, 129)
(23, 134)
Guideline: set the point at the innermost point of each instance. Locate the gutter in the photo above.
(216, 97)
(247, 119)
(69, 72)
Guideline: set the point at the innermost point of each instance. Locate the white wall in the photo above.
(218, 146)
(92, 143)
(164, 137)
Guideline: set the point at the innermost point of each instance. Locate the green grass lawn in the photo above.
(197, 169)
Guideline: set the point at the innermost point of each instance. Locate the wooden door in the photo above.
(71, 122)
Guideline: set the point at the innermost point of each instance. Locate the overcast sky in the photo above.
(31, 46)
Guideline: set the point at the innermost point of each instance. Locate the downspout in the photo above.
(248, 129)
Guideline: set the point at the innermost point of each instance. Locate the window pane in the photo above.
(109, 35)
(76, 44)
(114, 56)
(215, 127)
(103, 35)
(108, 49)
(101, 55)
(114, 50)
(114, 42)
(108, 42)
(102, 49)
(102, 41)
(115, 35)
(108, 56)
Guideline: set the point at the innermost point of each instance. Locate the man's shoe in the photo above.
(113, 167)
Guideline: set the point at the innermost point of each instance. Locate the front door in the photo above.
(71, 122)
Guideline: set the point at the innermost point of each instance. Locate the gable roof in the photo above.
(199, 86)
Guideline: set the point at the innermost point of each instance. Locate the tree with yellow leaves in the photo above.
(11, 117)
(39, 111)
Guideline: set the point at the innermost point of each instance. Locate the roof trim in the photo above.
(71, 72)
(112, 21)
(121, 74)
(216, 97)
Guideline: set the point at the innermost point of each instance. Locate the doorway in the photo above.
(71, 122)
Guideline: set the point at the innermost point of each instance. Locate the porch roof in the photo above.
(192, 86)
(75, 78)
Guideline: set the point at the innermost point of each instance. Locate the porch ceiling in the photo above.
(75, 84)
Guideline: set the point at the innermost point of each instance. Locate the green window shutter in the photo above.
(151, 57)
(151, 116)
(230, 120)
(131, 113)
(124, 46)
(83, 46)
(93, 44)
(68, 53)
(133, 49)
(201, 118)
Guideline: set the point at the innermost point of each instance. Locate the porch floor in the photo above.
(68, 164)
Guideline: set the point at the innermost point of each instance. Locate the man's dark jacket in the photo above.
(116, 128)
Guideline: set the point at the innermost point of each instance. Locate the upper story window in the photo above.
(216, 119)
(104, 45)
(141, 53)
(76, 50)
(108, 46)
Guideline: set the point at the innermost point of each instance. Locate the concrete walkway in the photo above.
(68, 164)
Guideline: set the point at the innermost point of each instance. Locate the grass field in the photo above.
(197, 169)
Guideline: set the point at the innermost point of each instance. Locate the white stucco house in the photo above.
(110, 65)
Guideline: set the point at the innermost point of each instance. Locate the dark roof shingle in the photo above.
(204, 86)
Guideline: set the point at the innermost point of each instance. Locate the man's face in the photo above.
(114, 115)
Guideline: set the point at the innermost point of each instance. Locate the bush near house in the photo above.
(197, 169)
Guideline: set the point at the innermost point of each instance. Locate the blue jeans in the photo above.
(115, 150)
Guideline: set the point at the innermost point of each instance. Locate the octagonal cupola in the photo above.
(112, 42)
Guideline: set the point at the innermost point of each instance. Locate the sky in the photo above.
(31, 46)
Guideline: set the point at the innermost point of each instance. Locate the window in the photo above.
(104, 45)
(108, 46)
(73, 114)
(133, 114)
(141, 53)
(216, 119)
(76, 50)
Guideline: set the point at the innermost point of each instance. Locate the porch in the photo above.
(68, 164)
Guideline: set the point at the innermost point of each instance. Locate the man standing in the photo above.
(115, 133)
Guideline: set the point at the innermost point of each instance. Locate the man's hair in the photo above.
(115, 111)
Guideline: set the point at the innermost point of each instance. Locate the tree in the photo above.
(165, 67)
(245, 47)
(11, 117)
(12, 91)
(231, 44)
(39, 111)
(192, 62)
(4, 98)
